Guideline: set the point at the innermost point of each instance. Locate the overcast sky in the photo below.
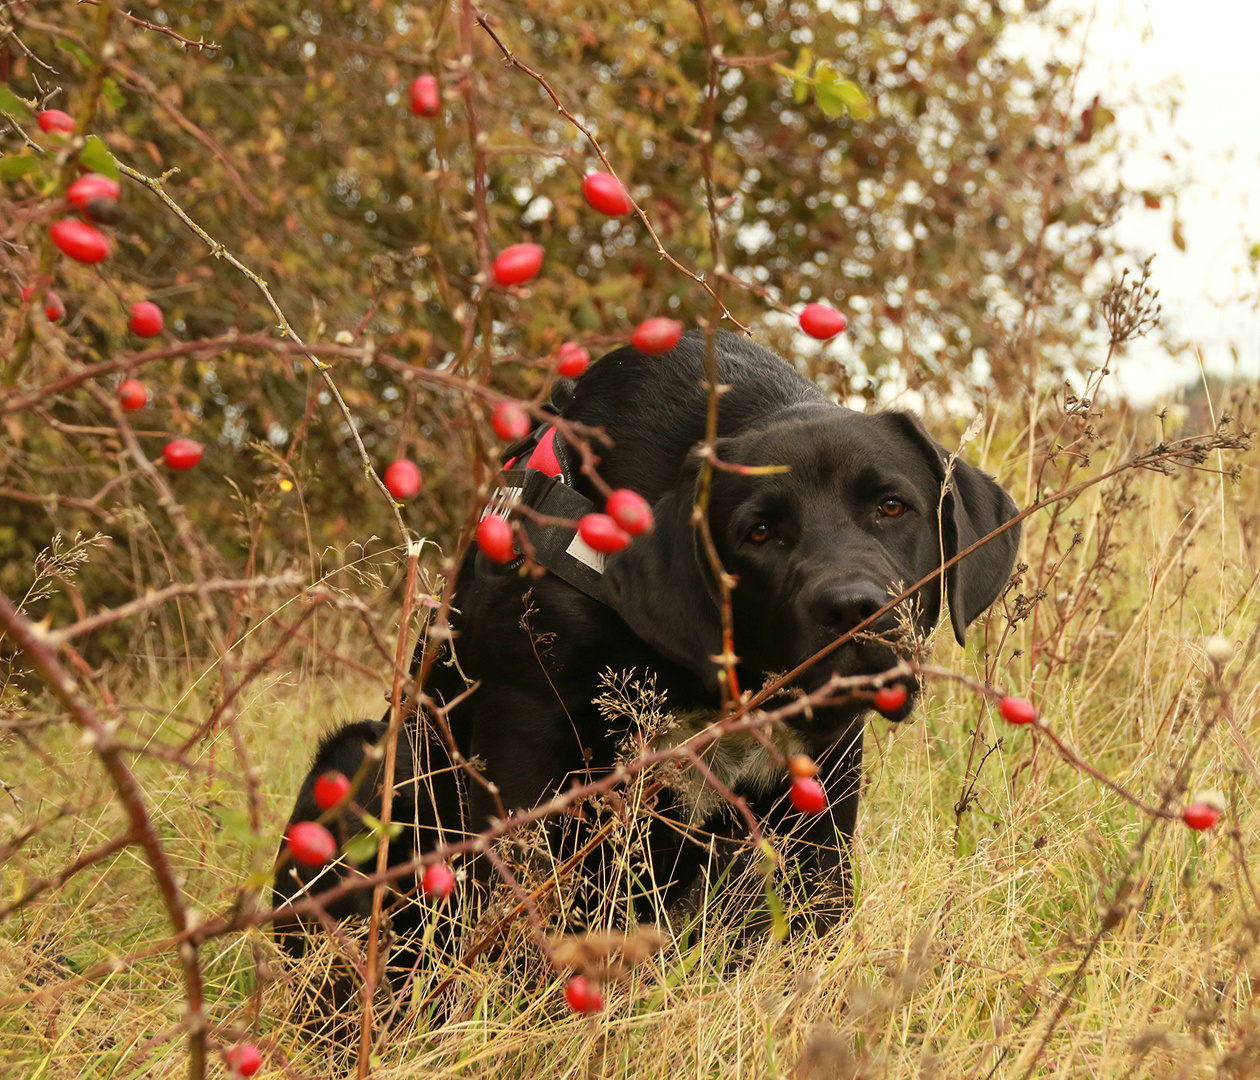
(1212, 50)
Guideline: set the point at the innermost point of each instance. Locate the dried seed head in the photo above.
(1218, 649)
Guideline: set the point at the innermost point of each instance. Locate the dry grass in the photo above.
(970, 929)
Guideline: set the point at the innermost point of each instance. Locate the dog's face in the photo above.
(819, 548)
(861, 512)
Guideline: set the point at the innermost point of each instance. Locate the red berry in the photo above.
(605, 194)
(1016, 710)
(888, 699)
(582, 996)
(426, 98)
(657, 335)
(54, 309)
(244, 1060)
(438, 881)
(182, 453)
(146, 319)
(573, 360)
(81, 241)
(310, 843)
(807, 795)
(87, 189)
(820, 321)
(132, 395)
(630, 510)
(510, 421)
(494, 537)
(802, 765)
(1200, 816)
(602, 533)
(56, 120)
(518, 263)
(330, 789)
(402, 479)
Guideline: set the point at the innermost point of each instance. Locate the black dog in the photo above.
(868, 504)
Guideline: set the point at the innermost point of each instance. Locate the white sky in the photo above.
(1212, 49)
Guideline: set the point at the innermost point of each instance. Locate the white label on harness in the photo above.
(502, 501)
(584, 553)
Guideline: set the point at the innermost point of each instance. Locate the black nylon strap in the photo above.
(557, 548)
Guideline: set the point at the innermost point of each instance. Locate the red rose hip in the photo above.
(518, 263)
(510, 421)
(1016, 710)
(330, 788)
(426, 98)
(582, 996)
(494, 538)
(602, 533)
(657, 335)
(402, 479)
(310, 843)
(888, 699)
(438, 881)
(630, 510)
(146, 319)
(604, 193)
(182, 453)
(807, 795)
(56, 120)
(132, 395)
(1200, 816)
(573, 360)
(88, 189)
(820, 321)
(54, 309)
(244, 1060)
(82, 242)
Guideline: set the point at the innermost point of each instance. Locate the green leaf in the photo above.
(361, 848)
(800, 91)
(75, 50)
(778, 914)
(837, 95)
(234, 825)
(803, 61)
(14, 168)
(111, 93)
(12, 104)
(98, 158)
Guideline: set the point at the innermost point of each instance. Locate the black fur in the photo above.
(830, 560)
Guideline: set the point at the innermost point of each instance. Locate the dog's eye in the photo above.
(759, 534)
(892, 508)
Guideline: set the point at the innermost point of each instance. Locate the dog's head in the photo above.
(867, 506)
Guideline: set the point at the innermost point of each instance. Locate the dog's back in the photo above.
(654, 408)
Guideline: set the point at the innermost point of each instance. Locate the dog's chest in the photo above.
(740, 760)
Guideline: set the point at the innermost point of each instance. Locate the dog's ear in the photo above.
(662, 587)
(972, 507)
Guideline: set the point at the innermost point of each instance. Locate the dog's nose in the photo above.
(842, 607)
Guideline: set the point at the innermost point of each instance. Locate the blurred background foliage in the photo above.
(957, 217)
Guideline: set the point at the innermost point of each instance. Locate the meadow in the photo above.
(1016, 914)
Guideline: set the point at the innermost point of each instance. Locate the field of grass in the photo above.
(1016, 916)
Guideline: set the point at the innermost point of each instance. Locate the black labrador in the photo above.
(867, 505)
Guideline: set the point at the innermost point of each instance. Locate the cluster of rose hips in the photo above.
(1198, 815)
(96, 199)
(311, 844)
(516, 265)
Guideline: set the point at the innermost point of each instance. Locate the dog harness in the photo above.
(544, 483)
